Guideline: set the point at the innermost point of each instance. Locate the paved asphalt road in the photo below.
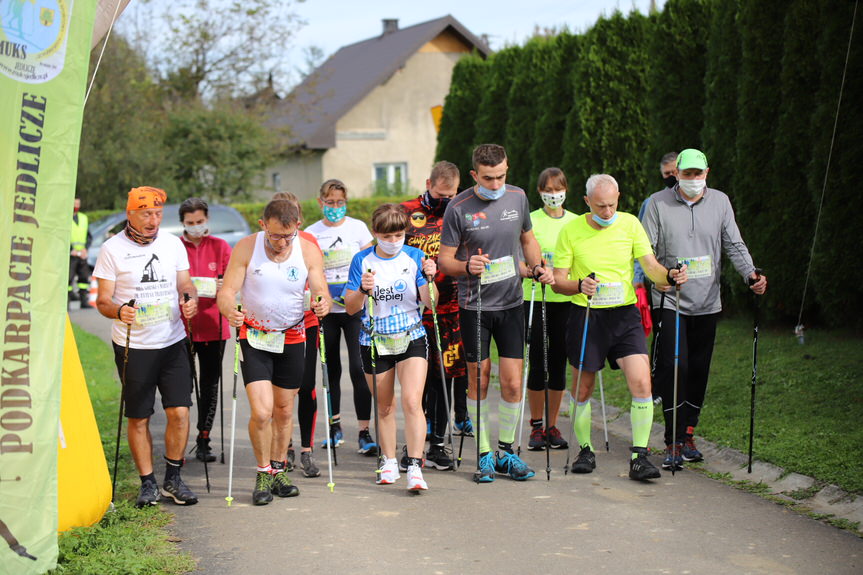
(597, 523)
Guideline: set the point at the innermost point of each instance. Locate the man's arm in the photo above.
(185, 286)
(235, 276)
(533, 258)
(106, 306)
(659, 274)
(321, 300)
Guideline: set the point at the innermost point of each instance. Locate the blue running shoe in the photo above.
(512, 465)
(485, 473)
(673, 459)
(338, 436)
(367, 444)
(689, 451)
(464, 427)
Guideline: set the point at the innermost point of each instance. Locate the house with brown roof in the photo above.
(368, 115)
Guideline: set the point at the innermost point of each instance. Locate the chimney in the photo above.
(390, 25)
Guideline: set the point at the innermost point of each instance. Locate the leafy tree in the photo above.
(554, 103)
(492, 115)
(678, 58)
(216, 153)
(215, 47)
(457, 134)
(836, 281)
(121, 142)
(610, 93)
(526, 86)
(719, 135)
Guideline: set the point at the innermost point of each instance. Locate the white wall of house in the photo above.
(300, 174)
(393, 125)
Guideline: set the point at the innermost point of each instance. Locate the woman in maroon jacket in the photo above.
(208, 258)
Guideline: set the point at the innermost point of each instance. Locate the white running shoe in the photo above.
(388, 474)
(415, 479)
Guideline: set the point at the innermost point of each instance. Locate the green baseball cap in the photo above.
(691, 159)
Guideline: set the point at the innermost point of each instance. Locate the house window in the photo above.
(390, 179)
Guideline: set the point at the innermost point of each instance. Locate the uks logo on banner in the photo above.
(33, 37)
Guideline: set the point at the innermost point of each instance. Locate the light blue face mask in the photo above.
(490, 195)
(335, 214)
(605, 223)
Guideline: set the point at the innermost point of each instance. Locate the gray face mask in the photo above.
(196, 231)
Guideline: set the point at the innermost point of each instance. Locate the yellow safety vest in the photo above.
(79, 232)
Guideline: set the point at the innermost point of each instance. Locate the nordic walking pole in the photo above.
(186, 298)
(442, 368)
(131, 304)
(478, 473)
(221, 390)
(526, 367)
(545, 377)
(654, 344)
(676, 371)
(591, 275)
(604, 419)
(230, 499)
(375, 382)
(325, 376)
(754, 373)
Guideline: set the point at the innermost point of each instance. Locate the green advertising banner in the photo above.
(44, 50)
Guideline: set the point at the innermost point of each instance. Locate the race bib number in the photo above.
(206, 286)
(548, 259)
(272, 341)
(153, 313)
(700, 267)
(334, 259)
(307, 300)
(392, 344)
(609, 295)
(498, 270)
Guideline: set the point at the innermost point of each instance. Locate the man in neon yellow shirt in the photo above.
(605, 243)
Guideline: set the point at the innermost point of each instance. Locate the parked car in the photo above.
(225, 222)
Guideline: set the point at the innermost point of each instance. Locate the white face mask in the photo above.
(196, 231)
(391, 248)
(554, 200)
(692, 187)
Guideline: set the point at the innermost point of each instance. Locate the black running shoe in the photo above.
(283, 487)
(537, 439)
(689, 452)
(640, 468)
(177, 491)
(148, 494)
(555, 438)
(203, 452)
(438, 458)
(585, 462)
(262, 494)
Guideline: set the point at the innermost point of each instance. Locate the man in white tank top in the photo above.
(270, 268)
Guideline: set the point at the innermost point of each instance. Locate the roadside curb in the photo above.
(824, 499)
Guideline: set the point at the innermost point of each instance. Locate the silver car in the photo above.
(225, 222)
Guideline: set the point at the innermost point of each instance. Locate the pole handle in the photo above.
(758, 272)
(591, 275)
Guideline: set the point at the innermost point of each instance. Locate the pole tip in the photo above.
(229, 499)
(332, 487)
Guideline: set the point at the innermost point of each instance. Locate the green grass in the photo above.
(127, 540)
(809, 400)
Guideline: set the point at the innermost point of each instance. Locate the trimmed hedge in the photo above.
(359, 208)
(753, 83)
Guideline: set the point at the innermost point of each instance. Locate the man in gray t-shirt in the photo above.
(486, 230)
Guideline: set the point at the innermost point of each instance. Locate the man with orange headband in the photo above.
(150, 270)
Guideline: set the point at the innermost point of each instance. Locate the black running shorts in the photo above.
(383, 363)
(147, 369)
(284, 370)
(506, 327)
(612, 333)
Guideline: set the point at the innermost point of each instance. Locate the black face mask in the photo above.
(669, 181)
(434, 204)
